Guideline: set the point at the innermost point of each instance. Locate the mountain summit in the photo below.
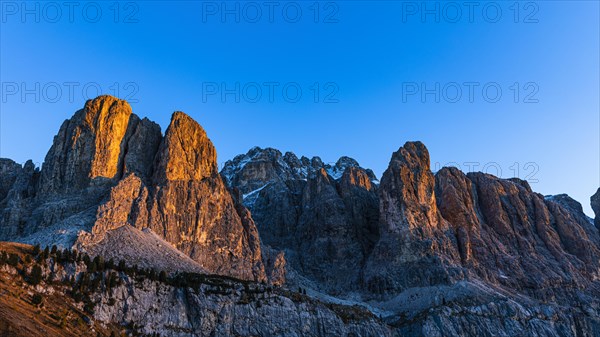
(107, 169)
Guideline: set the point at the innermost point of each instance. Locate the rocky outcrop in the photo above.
(190, 206)
(206, 312)
(251, 171)
(107, 168)
(181, 305)
(186, 153)
(258, 167)
(475, 247)
(595, 201)
(125, 206)
(87, 158)
(17, 189)
(416, 246)
(143, 139)
(329, 243)
(185, 203)
(359, 193)
(324, 217)
(9, 170)
(455, 197)
(88, 147)
(495, 220)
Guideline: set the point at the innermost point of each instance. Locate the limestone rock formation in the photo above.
(88, 147)
(190, 206)
(407, 198)
(186, 153)
(416, 246)
(88, 156)
(253, 170)
(187, 204)
(143, 139)
(449, 254)
(107, 168)
(329, 243)
(9, 170)
(496, 219)
(451, 241)
(323, 216)
(125, 205)
(17, 189)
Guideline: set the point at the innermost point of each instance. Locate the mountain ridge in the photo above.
(434, 254)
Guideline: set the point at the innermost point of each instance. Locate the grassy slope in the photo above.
(56, 316)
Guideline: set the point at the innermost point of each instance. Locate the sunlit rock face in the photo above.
(92, 151)
(186, 153)
(187, 204)
(192, 208)
(88, 146)
(107, 168)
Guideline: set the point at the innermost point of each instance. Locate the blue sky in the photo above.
(372, 75)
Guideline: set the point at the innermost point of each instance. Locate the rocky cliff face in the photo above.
(323, 216)
(17, 189)
(496, 220)
(107, 169)
(416, 246)
(91, 152)
(88, 147)
(473, 246)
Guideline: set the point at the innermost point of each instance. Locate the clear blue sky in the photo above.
(370, 61)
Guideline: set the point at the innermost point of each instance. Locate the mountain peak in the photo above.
(258, 167)
(408, 199)
(88, 146)
(186, 152)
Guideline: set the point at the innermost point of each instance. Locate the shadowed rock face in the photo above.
(324, 216)
(595, 201)
(9, 171)
(454, 241)
(17, 189)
